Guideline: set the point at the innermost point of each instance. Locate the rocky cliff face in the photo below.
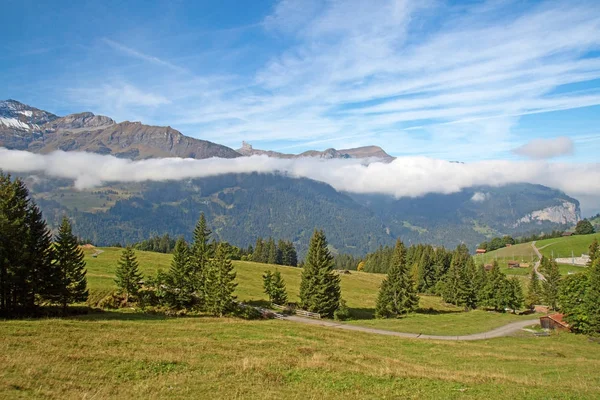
(567, 213)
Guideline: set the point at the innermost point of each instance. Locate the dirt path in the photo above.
(498, 332)
(537, 263)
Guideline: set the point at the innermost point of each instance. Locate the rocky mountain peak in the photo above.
(79, 121)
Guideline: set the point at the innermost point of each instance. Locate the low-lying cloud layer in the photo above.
(406, 176)
(539, 149)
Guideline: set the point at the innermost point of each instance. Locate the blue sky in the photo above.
(452, 80)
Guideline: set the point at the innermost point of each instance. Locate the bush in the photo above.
(343, 312)
(112, 301)
(246, 312)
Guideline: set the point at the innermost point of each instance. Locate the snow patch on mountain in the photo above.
(14, 123)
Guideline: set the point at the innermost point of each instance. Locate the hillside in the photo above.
(242, 207)
(359, 289)
(565, 246)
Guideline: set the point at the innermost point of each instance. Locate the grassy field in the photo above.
(562, 247)
(359, 289)
(523, 253)
(119, 355)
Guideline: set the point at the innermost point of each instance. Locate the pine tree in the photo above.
(181, 278)
(514, 294)
(397, 294)
(454, 290)
(534, 292)
(43, 271)
(221, 283)
(272, 255)
(127, 273)
(469, 286)
(69, 261)
(426, 270)
(258, 251)
(274, 286)
(592, 298)
(200, 256)
(552, 283)
(491, 294)
(320, 286)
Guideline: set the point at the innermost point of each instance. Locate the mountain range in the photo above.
(241, 207)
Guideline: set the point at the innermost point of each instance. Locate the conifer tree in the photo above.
(320, 286)
(71, 266)
(591, 303)
(258, 251)
(43, 271)
(514, 294)
(220, 283)
(274, 286)
(200, 258)
(552, 283)
(491, 294)
(469, 286)
(272, 255)
(127, 274)
(534, 292)
(454, 289)
(181, 278)
(397, 294)
(427, 273)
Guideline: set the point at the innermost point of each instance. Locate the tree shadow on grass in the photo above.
(433, 311)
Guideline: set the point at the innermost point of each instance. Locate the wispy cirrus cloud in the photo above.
(145, 57)
(430, 78)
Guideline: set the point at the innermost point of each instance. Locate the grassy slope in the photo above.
(522, 253)
(359, 289)
(117, 355)
(562, 247)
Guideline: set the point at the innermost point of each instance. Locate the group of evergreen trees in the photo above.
(34, 269)
(201, 277)
(579, 296)
(282, 253)
(469, 286)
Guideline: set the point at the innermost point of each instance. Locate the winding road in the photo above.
(537, 263)
(498, 332)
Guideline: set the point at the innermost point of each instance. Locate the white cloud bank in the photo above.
(406, 176)
(539, 149)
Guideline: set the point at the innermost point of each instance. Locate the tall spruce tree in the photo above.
(43, 271)
(127, 274)
(397, 294)
(201, 253)
(534, 290)
(427, 270)
(274, 286)
(220, 283)
(491, 294)
(514, 294)
(258, 251)
(454, 290)
(591, 303)
(272, 254)
(320, 286)
(71, 266)
(181, 277)
(551, 285)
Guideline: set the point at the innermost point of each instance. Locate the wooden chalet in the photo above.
(488, 267)
(554, 322)
(514, 264)
(480, 251)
